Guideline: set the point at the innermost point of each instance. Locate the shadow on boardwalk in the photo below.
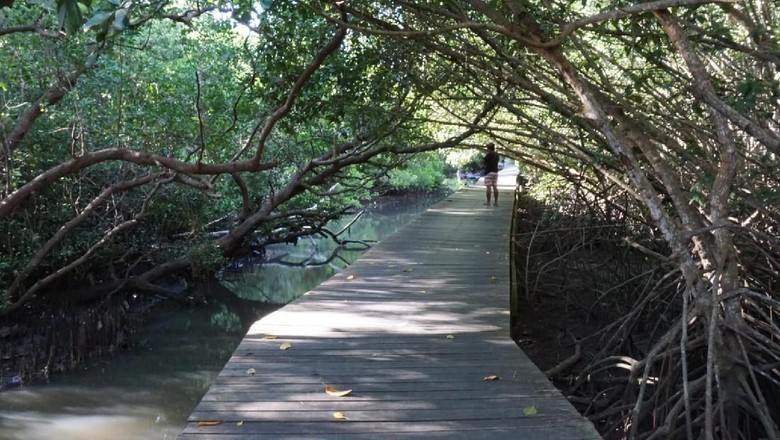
(416, 328)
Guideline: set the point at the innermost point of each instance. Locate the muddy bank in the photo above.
(45, 341)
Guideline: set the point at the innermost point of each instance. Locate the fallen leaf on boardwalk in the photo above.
(336, 393)
(450, 337)
(209, 423)
(493, 278)
(270, 337)
(350, 277)
(251, 371)
(530, 411)
(408, 269)
(340, 416)
(491, 377)
(285, 346)
(240, 423)
(422, 291)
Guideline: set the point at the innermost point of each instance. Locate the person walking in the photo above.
(490, 163)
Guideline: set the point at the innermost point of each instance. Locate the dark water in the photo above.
(148, 394)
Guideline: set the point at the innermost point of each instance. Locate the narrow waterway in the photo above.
(148, 394)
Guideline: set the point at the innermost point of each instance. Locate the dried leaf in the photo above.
(285, 346)
(336, 393)
(491, 377)
(240, 423)
(251, 371)
(493, 278)
(215, 423)
(350, 277)
(408, 269)
(270, 337)
(530, 411)
(340, 416)
(422, 291)
(450, 337)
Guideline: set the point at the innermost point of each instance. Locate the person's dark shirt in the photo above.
(491, 162)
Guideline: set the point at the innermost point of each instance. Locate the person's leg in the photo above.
(488, 183)
(495, 195)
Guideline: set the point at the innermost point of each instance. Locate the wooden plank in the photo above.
(275, 394)
(262, 378)
(348, 405)
(355, 414)
(514, 428)
(487, 433)
(412, 328)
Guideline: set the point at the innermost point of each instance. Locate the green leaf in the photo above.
(68, 15)
(96, 19)
(91, 58)
(530, 411)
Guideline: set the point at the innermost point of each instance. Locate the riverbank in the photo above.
(147, 388)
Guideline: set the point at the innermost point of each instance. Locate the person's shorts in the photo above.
(491, 179)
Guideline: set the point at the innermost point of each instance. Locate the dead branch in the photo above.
(565, 364)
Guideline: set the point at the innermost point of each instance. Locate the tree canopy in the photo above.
(203, 139)
(141, 138)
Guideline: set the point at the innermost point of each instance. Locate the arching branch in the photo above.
(13, 200)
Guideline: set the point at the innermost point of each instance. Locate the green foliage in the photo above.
(138, 96)
(135, 76)
(206, 259)
(197, 93)
(5, 298)
(69, 13)
(550, 189)
(466, 160)
(423, 172)
(749, 92)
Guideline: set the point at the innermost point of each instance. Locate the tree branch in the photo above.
(68, 227)
(36, 28)
(43, 282)
(26, 120)
(13, 200)
(303, 78)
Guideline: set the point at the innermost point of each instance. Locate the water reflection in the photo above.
(150, 393)
(142, 395)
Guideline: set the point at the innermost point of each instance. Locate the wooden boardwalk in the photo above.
(413, 328)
